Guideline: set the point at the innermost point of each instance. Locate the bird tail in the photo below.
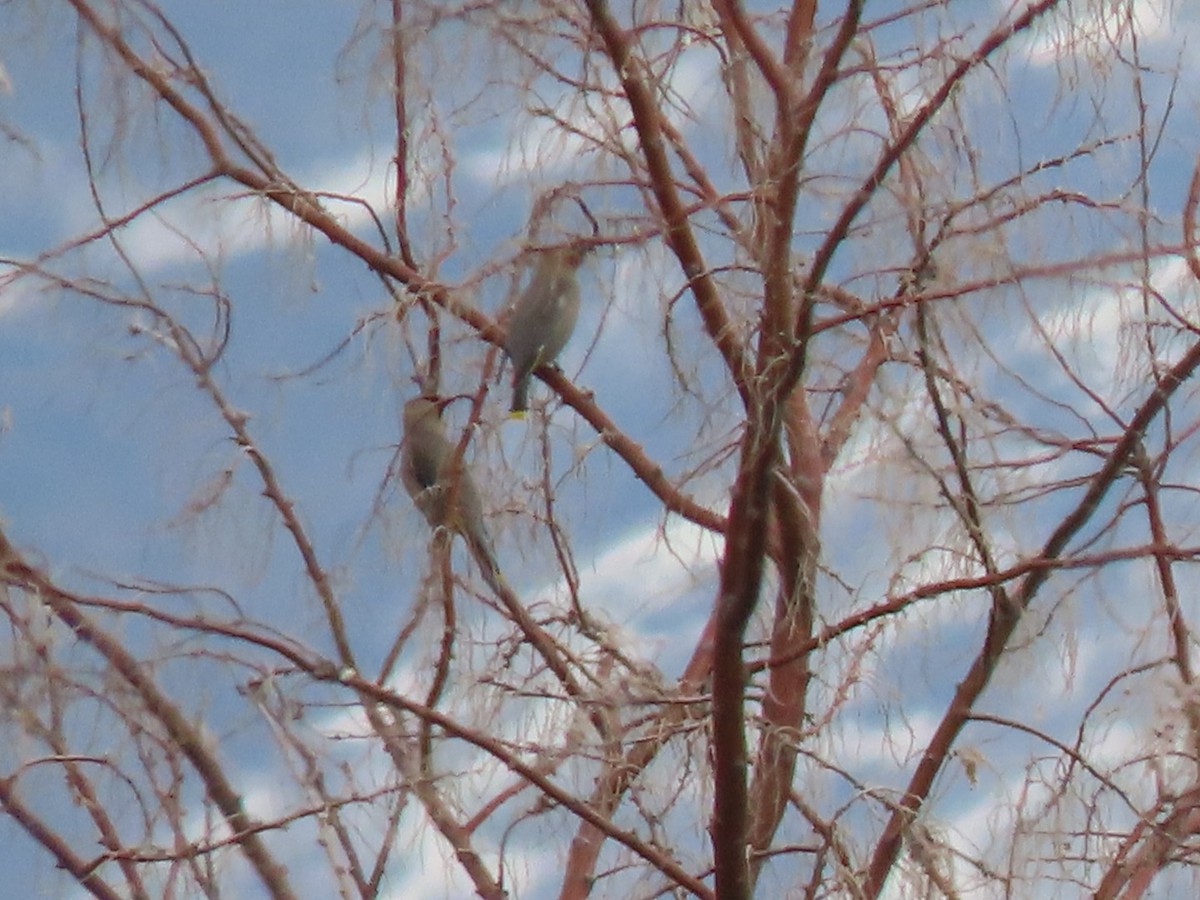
(520, 397)
(485, 557)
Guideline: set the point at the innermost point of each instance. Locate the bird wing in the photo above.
(424, 468)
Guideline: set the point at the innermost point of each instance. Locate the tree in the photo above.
(847, 554)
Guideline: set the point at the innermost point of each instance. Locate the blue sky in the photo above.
(114, 468)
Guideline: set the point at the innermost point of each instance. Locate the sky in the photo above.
(115, 469)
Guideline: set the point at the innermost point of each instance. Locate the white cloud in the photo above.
(1101, 333)
(220, 223)
(549, 146)
(650, 569)
(544, 148)
(17, 295)
(1084, 29)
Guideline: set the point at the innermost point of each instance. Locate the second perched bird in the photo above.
(443, 492)
(543, 319)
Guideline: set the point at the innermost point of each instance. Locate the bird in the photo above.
(543, 319)
(440, 486)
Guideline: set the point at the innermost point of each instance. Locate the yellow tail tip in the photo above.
(518, 414)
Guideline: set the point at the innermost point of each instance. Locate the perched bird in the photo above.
(441, 490)
(543, 319)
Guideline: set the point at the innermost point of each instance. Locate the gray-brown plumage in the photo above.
(543, 319)
(443, 492)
